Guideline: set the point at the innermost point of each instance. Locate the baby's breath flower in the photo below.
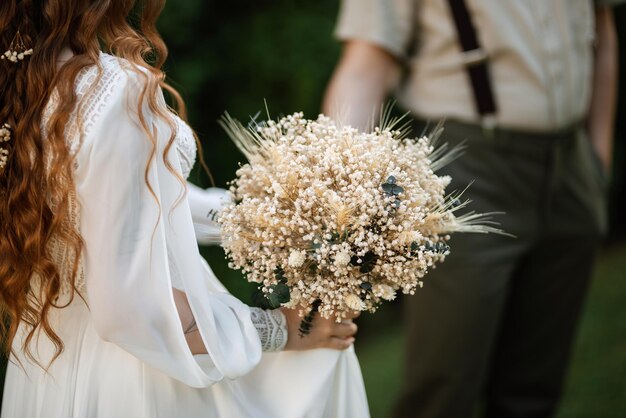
(384, 291)
(296, 258)
(353, 302)
(342, 258)
(365, 211)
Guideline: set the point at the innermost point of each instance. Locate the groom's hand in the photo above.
(325, 333)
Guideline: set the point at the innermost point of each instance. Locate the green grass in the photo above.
(597, 383)
(381, 359)
(596, 387)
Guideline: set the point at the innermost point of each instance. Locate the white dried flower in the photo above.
(17, 50)
(294, 300)
(5, 136)
(15, 56)
(296, 258)
(4, 158)
(384, 291)
(342, 258)
(326, 195)
(5, 133)
(353, 302)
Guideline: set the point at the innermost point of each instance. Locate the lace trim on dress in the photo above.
(95, 86)
(272, 328)
(186, 146)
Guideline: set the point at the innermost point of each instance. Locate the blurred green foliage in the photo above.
(232, 56)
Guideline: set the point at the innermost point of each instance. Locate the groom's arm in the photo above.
(364, 77)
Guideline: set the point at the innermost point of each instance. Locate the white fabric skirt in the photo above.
(97, 379)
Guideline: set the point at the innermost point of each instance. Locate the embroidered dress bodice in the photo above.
(94, 87)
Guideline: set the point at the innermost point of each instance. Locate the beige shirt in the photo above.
(540, 52)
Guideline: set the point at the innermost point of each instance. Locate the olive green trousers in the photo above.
(497, 319)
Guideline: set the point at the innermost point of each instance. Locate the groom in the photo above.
(530, 86)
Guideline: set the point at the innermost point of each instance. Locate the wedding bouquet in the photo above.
(327, 218)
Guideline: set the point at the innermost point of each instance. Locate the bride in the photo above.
(112, 311)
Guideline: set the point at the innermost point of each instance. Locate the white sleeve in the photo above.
(206, 206)
(389, 24)
(136, 238)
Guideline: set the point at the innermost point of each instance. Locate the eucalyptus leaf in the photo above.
(259, 300)
(368, 262)
(279, 295)
(279, 273)
(387, 187)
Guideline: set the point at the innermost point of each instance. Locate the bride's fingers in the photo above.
(337, 343)
(345, 328)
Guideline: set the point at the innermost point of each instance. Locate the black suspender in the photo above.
(475, 62)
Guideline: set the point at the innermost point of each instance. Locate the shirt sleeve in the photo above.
(389, 24)
(138, 235)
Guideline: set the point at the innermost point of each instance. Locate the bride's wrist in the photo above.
(271, 326)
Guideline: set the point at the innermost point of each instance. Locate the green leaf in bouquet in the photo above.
(307, 322)
(366, 263)
(438, 247)
(279, 294)
(337, 237)
(442, 248)
(391, 188)
(279, 273)
(259, 300)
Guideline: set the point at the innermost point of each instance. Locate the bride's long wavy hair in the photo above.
(36, 184)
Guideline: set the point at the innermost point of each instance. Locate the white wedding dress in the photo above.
(125, 353)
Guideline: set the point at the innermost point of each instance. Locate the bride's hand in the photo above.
(325, 333)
